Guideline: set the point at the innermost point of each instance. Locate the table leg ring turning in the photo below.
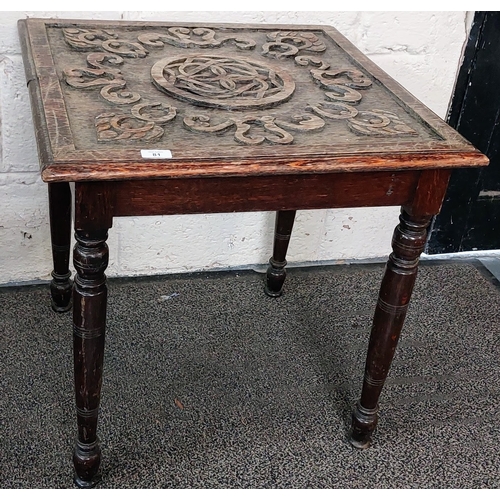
(89, 324)
(395, 292)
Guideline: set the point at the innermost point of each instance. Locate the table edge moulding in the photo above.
(119, 117)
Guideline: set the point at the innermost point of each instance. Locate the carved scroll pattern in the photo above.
(342, 88)
(288, 44)
(222, 82)
(193, 38)
(145, 120)
(86, 39)
(97, 75)
(92, 39)
(113, 127)
(379, 123)
(144, 124)
(274, 127)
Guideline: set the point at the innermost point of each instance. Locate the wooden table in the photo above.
(164, 118)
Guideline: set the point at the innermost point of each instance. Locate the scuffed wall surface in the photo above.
(419, 49)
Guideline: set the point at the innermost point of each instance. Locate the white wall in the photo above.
(419, 49)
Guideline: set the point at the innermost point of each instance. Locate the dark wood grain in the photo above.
(34, 89)
(93, 218)
(240, 194)
(60, 234)
(90, 258)
(88, 168)
(394, 297)
(94, 205)
(430, 192)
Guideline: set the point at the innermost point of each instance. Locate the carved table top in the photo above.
(111, 99)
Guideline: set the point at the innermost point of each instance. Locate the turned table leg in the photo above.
(276, 272)
(395, 292)
(60, 233)
(89, 322)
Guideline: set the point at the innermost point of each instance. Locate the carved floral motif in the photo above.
(223, 82)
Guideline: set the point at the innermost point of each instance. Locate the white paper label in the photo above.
(156, 154)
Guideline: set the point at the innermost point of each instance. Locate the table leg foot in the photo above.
(85, 485)
(276, 272)
(61, 290)
(364, 422)
(275, 277)
(86, 459)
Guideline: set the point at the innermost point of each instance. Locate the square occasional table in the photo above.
(163, 118)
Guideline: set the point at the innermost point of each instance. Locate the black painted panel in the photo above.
(470, 215)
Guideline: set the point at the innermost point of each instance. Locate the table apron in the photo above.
(262, 193)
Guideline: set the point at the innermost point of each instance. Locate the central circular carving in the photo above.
(232, 83)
